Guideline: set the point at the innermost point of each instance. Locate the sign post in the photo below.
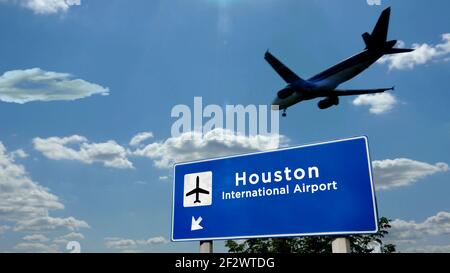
(206, 246)
(316, 189)
(341, 245)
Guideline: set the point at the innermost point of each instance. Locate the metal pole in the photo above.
(206, 246)
(341, 245)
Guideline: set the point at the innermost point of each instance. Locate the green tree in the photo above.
(318, 244)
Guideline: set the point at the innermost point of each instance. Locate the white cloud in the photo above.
(20, 197)
(390, 173)
(422, 54)
(130, 251)
(139, 138)
(36, 247)
(68, 237)
(50, 223)
(412, 236)
(119, 243)
(4, 228)
(36, 238)
(46, 6)
(154, 241)
(378, 103)
(109, 153)
(19, 154)
(26, 205)
(218, 142)
(428, 249)
(164, 177)
(188, 146)
(127, 244)
(22, 86)
(73, 236)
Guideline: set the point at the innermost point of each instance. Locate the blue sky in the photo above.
(135, 60)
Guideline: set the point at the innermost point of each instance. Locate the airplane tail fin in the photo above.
(379, 32)
(378, 39)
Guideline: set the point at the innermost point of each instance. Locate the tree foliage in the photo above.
(317, 244)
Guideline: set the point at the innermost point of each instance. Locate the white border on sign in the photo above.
(369, 163)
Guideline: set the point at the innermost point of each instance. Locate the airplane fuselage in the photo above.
(328, 79)
(197, 200)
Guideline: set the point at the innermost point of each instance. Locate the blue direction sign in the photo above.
(317, 189)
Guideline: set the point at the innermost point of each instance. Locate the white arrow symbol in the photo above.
(196, 223)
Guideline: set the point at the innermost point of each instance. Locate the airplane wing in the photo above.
(282, 70)
(200, 190)
(191, 192)
(341, 92)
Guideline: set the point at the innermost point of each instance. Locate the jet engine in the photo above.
(328, 102)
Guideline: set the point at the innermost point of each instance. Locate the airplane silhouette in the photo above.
(197, 191)
(324, 84)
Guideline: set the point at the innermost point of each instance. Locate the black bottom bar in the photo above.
(219, 262)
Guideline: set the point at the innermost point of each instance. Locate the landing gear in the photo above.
(284, 113)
